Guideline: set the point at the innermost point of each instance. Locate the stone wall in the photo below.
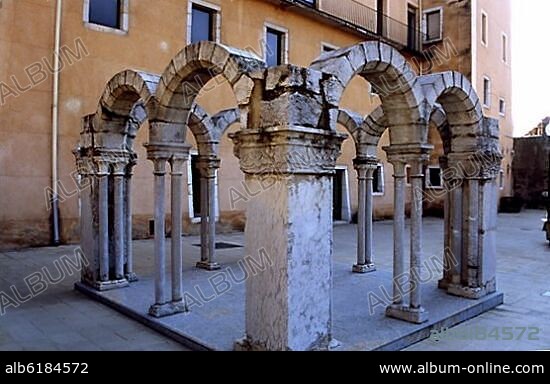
(530, 169)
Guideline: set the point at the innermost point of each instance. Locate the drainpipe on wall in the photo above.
(56, 238)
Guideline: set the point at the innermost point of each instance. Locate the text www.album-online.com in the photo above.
(487, 368)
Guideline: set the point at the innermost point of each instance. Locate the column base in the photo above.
(365, 268)
(169, 309)
(408, 314)
(103, 286)
(247, 345)
(208, 266)
(472, 293)
(131, 277)
(443, 284)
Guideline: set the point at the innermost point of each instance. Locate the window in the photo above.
(434, 178)
(487, 92)
(408, 173)
(341, 209)
(433, 24)
(378, 181)
(504, 48)
(484, 28)
(310, 3)
(326, 47)
(106, 15)
(501, 179)
(203, 22)
(105, 12)
(412, 28)
(194, 189)
(275, 46)
(502, 107)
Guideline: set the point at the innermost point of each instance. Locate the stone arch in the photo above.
(188, 73)
(208, 130)
(113, 120)
(453, 93)
(439, 118)
(391, 75)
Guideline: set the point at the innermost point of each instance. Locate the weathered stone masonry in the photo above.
(288, 117)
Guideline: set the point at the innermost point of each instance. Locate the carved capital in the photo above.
(208, 167)
(483, 165)
(288, 151)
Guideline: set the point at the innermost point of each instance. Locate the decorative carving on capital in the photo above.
(365, 167)
(166, 151)
(482, 165)
(288, 152)
(208, 166)
(177, 164)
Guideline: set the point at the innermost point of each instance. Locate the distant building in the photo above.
(101, 38)
(530, 165)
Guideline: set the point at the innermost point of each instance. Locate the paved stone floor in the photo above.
(61, 319)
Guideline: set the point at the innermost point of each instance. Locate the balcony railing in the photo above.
(369, 21)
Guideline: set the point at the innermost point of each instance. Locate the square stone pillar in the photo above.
(289, 302)
(479, 174)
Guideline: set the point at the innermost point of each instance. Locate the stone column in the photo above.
(89, 226)
(160, 154)
(119, 230)
(161, 299)
(400, 184)
(416, 156)
(208, 168)
(103, 214)
(129, 271)
(177, 165)
(289, 225)
(417, 188)
(365, 174)
(453, 225)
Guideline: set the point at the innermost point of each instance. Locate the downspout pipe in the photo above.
(56, 237)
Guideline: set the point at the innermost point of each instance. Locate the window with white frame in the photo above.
(378, 181)
(106, 15)
(487, 92)
(502, 107)
(434, 177)
(275, 45)
(194, 189)
(501, 179)
(326, 47)
(203, 22)
(484, 28)
(433, 24)
(408, 175)
(504, 48)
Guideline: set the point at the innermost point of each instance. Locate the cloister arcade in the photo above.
(288, 120)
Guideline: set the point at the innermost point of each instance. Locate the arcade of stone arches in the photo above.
(284, 111)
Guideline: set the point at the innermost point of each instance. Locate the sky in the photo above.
(530, 63)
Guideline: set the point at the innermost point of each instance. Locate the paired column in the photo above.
(453, 225)
(119, 230)
(103, 218)
(399, 196)
(161, 155)
(408, 283)
(208, 168)
(111, 266)
(177, 164)
(129, 268)
(365, 175)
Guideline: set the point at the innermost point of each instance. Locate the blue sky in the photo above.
(530, 63)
